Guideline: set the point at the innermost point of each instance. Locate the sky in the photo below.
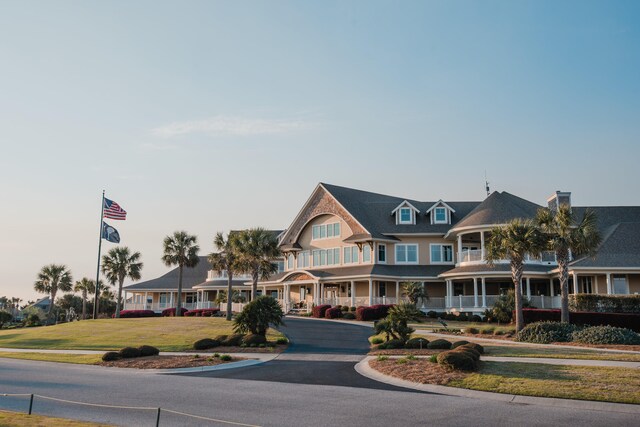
(207, 116)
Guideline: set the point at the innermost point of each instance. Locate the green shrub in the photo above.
(233, 340)
(147, 350)
(416, 343)
(344, 308)
(439, 344)
(457, 360)
(473, 331)
(348, 315)
(410, 357)
(226, 357)
(352, 309)
(499, 332)
(459, 343)
(450, 316)
(110, 356)
(488, 330)
(216, 354)
(474, 354)
(282, 341)
(377, 340)
(391, 344)
(604, 303)
(475, 318)
(476, 347)
(256, 316)
(432, 314)
(606, 335)
(546, 332)
(253, 340)
(401, 361)
(382, 358)
(206, 343)
(129, 352)
(433, 358)
(463, 317)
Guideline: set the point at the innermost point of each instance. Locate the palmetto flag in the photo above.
(112, 210)
(109, 233)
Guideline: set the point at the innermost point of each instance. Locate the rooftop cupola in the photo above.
(559, 198)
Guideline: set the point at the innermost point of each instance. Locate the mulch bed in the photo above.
(404, 351)
(167, 362)
(276, 349)
(417, 371)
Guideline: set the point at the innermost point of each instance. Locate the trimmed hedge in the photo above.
(319, 310)
(170, 312)
(415, 343)
(206, 343)
(546, 332)
(129, 353)
(439, 344)
(374, 312)
(203, 312)
(349, 316)
(233, 340)
(333, 313)
(148, 350)
(621, 320)
(253, 339)
(606, 335)
(132, 314)
(476, 347)
(459, 343)
(110, 356)
(474, 354)
(605, 303)
(457, 360)
(391, 344)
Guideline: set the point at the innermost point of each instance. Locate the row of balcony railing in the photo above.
(478, 255)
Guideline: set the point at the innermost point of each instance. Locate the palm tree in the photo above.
(226, 259)
(564, 236)
(257, 249)
(51, 279)
(119, 264)
(86, 287)
(513, 242)
(415, 291)
(181, 249)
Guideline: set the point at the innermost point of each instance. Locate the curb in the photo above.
(365, 370)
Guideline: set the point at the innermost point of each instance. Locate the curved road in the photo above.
(279, 393)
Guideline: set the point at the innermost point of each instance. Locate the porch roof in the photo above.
(169, 281)
(393, 271)
(222, 283)
(501, 269)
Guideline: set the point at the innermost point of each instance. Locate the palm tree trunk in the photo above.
(516, 275)
(563, 260)
(229, 293)
(118, 304)
(254, 284)
(179, 298)
(53, 298)
(84, 304)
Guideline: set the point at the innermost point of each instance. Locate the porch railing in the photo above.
(471, 255)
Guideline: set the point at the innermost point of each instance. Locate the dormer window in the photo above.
(440, 213)
(405, 213)
(440, 216)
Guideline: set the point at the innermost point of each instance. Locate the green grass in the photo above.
(83, 359)
(166, 333)
(454, 324)
(18, 419)
(557, 353)
(566, 382)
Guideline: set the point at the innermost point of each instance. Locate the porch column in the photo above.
(397, 292)
(459, 247)
(322, 293)
(145, 300)
(482, 244)
(370, 292)
(551, 287)
(475, 291)
(484, 292)
(609, 288)
(529, 287)
(575, 282)
(596, 280)
(447, 299)
(171, 300)
(353, 293)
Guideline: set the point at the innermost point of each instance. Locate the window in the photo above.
(351, 255)
(382, 289)
(303, 259)
(382, 253)
(325, 231)
(326, 257)
(290, 262)
(440, 216)
(442, 254)
(458, 289)
(366, 253)
(406, 254)
(406, 216)
(303, 293)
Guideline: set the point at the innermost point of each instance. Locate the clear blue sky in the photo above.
(207, 116)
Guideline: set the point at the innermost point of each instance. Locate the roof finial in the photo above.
(486, 183)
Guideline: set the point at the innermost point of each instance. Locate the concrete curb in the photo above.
(364, 369)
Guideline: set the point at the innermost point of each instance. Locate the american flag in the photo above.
(113, 210)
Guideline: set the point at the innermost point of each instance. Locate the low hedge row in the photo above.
(605, 303)
(203, 312)
(374, 312)
(170, 312)
(333, 313)
(549, 332)
(320, 310)
(132, 314)
(585, 318)
(461, 317)
(462, 358)
(130, 353)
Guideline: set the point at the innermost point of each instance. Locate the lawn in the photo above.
(430, 323)
(83, 359)
(17, 419)
(557, 353)
(166, 333)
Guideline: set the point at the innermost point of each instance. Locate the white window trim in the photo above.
(441, 262)
(411, 216)
(446, 215)
(386, 254)
(326, 227)
(417, 261)
(357, 261)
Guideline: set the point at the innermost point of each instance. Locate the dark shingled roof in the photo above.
(620, 248)
(373, 211)
(223, 282)
(372, 269)
(499, 208)
(498, 268)
(169, 281)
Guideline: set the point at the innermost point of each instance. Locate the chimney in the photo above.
(559, 198)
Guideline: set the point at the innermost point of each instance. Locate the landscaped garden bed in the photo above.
(172, 362)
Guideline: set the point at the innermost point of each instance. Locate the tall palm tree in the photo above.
(86, 287)
(181, 249)
(564, 235)
(226, 259)
(513, 242)
(415, 291)
(51, 279)
(257, 249)
(118, 265)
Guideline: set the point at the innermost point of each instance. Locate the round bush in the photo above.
(415, 343)
(459, 343)
(129, 352)
(473, 331)
(432, 314)
(546, 332)
(348, 315)
(221, 338)
(344, 308)
(226, 358)
(205, 344)
(333, 313)
(282, 340)
(391, 344)
(606, 335)
(439, 345)
(450, 316)
(352, 309)
(252, 339)
(474, 354)
(377, 340)
(476, 347)
(110, 356)
(147, 350)
(457, 360)
(475, 318)
(463, 318)
(233, 340)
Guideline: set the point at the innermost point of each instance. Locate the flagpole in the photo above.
(96, 298)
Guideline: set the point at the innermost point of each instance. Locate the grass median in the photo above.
(18, 419)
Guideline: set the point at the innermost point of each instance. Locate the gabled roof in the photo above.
(405, 203)
(498, 208)
(438, 203)
(169, 281)
(620, 248)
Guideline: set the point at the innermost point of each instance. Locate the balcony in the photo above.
(477, 256)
